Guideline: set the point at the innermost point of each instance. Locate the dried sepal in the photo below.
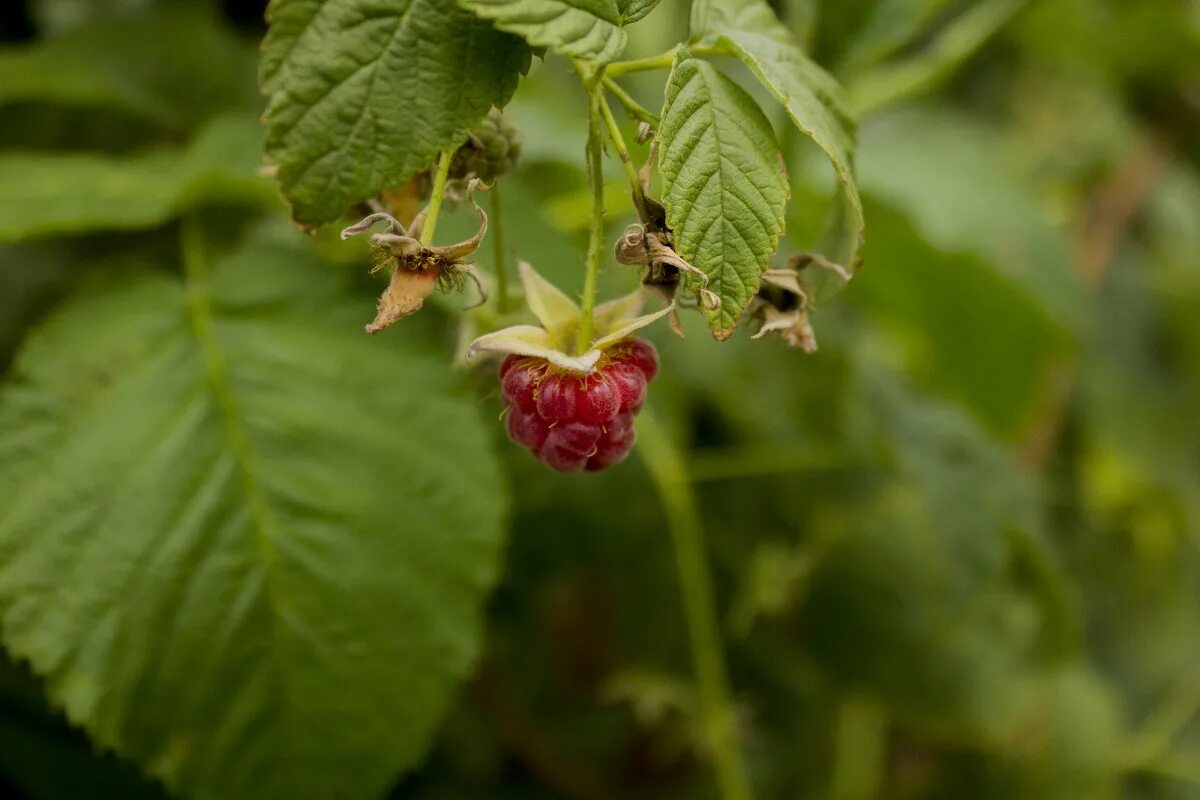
(416, 268)
(792, 326)
(404, 295)
(781, 306)
(642, 245)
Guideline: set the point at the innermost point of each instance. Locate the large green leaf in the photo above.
(927, 162)
(724, 187)
(749, 30)
(923, 601)
(585, 29)
(242, 543)
(965, 329)
(361, 97)
(68, 193)
(172, 65)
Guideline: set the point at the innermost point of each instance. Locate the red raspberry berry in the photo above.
(572, 422)
(526, 428)
(641, 354)
(519, 385)
(618, 440)
(630, 383)
(597, 399)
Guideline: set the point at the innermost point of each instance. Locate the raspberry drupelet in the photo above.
(572, 421)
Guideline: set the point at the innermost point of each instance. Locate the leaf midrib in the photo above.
(201, 316)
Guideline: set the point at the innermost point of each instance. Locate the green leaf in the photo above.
(749, 30)
(966, 329)
(174, 65)
(362, 97)
(921, 600)
(634, 10)
(242, 543)
(584, 29)
(724, 187)
(70, 194)
(926, 162)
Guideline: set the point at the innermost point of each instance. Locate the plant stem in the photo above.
(435, 200)
(614, 133)
(500, 266)
(635, 109)
(595, 176)
(660, 61)
(669, 474)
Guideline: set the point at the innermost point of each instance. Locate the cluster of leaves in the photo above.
(244, 548)
(349, 116)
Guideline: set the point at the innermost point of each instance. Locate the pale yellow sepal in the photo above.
(613, 321)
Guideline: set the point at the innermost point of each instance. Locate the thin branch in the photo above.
(669, 474)
(635, 109)
(595, 176)
(635, 184)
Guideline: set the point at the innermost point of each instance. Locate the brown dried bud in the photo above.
(417, 269)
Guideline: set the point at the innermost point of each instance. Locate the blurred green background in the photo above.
(956, 552)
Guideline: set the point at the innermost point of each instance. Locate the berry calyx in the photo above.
(572, 421)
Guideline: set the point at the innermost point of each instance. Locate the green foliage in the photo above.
(347, 116)
(724, 187)
(210, 457)
(247, 551)
(749, 30)
(139, 65)
(586, 29)
(71, 194)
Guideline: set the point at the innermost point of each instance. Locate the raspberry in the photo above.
(641, 354)
(574, 422)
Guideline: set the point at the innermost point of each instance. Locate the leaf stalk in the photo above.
(635, 109)
(635, 185)
(436, 198)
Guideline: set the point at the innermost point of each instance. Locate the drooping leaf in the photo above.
(69, 194)
(243, 544)
(173, 65)
(723, 184)
(966, 329)
(363, 97)
(927, 162)
(634, 10)
(750, 31)
(584, 29)
(954, 44)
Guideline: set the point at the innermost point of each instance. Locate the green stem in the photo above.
(435, 200)
(669, 474)
(614, 133)
(635, 109)
(660, 61)
(500, 266)
(595, 176)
